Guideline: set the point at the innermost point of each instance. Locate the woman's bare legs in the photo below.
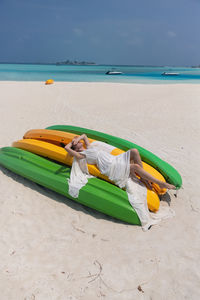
(136, 169)
(136, 159)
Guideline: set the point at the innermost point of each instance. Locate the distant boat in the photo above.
(170, 74)
(113, 73)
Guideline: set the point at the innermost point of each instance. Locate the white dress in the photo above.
(117, 168)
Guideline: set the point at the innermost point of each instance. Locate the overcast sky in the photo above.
(135, 32)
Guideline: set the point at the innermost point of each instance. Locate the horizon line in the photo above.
(96, 64)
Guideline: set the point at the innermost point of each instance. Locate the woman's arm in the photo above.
(81, 137)
(72, 152)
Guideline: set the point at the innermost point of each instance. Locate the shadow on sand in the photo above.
(166, 198)
(59, 198)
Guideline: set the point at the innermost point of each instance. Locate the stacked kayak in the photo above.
(39, 157)
(47, 143)
(57, 138)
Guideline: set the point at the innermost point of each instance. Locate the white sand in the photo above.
(54, 248)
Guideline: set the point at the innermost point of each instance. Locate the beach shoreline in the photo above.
(98, 73)
(52, 247)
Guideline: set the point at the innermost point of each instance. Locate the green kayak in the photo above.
(170, 174)
(97, 194)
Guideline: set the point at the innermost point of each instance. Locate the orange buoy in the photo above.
(49, 81)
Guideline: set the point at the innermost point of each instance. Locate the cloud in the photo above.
(123, 34)
(171, 34)
(23, 38)
(136, 41)
(78, 31)
(68, 42)
(96, 41)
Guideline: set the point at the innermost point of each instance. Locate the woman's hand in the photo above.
(75, 140)
(72, 152)
(83, 137)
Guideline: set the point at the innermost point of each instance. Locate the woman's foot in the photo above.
(165, 185)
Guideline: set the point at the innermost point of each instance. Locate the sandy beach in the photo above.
(53, 247)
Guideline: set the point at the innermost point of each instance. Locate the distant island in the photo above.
(196, 66)
(75, 62)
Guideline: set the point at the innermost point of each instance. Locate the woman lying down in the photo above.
(121, 169)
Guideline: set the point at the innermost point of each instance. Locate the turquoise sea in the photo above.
(96, 73)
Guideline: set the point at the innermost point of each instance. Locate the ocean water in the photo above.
(96, 73)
